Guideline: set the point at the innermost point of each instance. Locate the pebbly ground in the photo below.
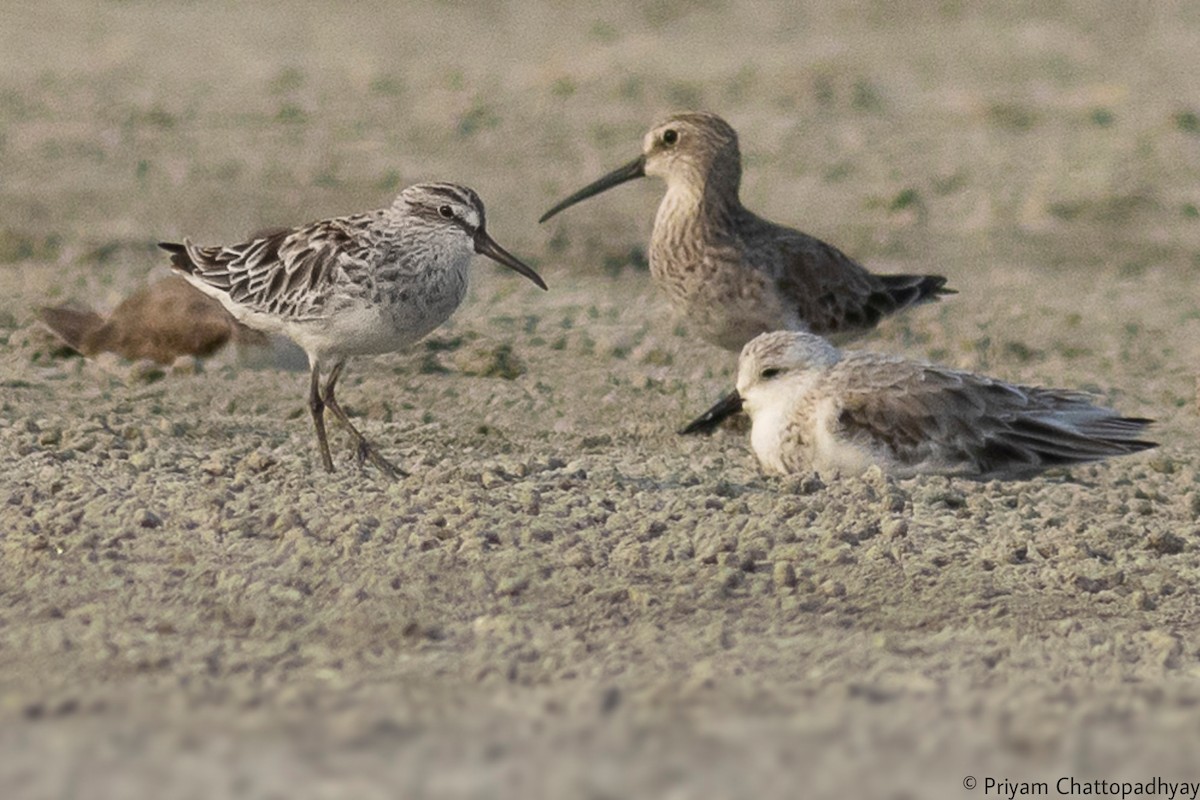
(565, 599)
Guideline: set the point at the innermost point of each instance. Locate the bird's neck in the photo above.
(699, 199)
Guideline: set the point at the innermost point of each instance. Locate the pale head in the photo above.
(772, 369)
(453, 216)
(773, 366)
(693, 146)
(694, 150)
(447, 210)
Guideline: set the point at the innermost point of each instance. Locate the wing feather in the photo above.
(925, 418)
(830, 291)
(290, 273)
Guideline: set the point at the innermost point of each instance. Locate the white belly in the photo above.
(357, 327)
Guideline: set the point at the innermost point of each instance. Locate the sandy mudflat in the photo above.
(565, 599)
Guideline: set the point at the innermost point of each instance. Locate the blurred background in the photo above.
(956, 135)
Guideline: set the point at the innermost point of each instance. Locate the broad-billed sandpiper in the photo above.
(815, 408)
(732, 274)
(359, 285)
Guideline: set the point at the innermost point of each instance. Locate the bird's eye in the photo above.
(670, 136)
(769, 372)
(446, 211)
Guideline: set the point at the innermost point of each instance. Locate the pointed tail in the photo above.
(911, 290)
(179, 256)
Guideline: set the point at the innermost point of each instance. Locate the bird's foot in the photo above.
(363, 452)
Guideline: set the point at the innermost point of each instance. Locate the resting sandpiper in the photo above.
(815, 408)
(358, 285)
(161, 322)
(732, 274)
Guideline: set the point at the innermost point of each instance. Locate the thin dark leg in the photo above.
(363, 449)
(317, 406)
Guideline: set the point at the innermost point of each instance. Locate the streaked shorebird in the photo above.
(732, 274)
(813, 407)
(350, 286)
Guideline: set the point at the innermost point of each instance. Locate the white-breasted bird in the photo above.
(352, 286)
(816, 408)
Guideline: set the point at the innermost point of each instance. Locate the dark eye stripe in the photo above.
(432, 213)
(436, 193)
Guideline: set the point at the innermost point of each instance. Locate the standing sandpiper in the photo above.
(359, 285)
(814, 407)
(732, 274)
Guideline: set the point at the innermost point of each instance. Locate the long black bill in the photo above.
(707, 422)
(486, 246)
(634, 169)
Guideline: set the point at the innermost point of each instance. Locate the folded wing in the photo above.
(834, 294)
(290, 273)
(935, 420)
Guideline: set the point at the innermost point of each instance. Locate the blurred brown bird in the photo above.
(161, 322)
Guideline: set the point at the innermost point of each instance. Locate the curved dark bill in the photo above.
(486, 246)
(707, 422)
(634, 169)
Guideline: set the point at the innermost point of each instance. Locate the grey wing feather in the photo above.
(943, 420)
(907, 413)
(832, 292)
(290, 273)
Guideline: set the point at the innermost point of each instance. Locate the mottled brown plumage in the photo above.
(732, 274)
(161, 322)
